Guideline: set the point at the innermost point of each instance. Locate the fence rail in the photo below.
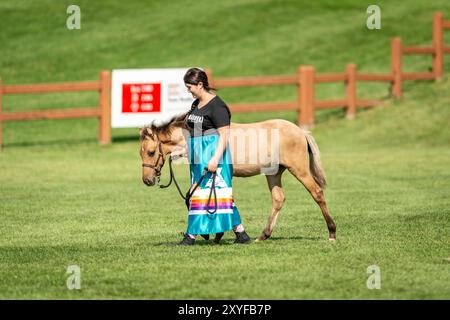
(50, 114)
(418, 50)
(102, 111)
(254, 81)
(330, 77)
(51, 87)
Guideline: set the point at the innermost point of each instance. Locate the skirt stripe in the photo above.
(227, 215)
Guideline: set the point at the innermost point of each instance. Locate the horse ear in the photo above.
(142, 133)
(145, 132)
(149, 132)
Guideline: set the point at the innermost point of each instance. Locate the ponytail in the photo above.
(195, 76)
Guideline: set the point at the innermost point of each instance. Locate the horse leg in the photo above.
(305, 177)
(274, 183)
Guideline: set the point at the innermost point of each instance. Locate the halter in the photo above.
(189, 194)
(155, 166)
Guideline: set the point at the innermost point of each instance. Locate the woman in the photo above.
(209, 125)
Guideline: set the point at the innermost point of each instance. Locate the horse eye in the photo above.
(150, 154)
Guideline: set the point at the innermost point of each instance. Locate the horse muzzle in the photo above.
(149, 182)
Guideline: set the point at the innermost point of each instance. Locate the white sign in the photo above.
(141, 96)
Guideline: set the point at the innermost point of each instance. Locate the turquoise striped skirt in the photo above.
(200, 151)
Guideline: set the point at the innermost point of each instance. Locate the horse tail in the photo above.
(315, 165)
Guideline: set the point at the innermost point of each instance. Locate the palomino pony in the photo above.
(297, 152)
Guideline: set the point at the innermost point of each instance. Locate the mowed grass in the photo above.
(82, 204)
(66, 201)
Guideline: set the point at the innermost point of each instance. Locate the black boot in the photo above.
(187, 241)
(218, 237)
(242, 237)
(205, 236)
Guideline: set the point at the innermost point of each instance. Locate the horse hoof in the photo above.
(332, 239)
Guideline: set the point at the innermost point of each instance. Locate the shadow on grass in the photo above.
(127, 138)
(60, 142)
(197, 243)
(296, 238)
(228, 242)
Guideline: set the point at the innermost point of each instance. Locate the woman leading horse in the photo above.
(297, 152)
(209, 126)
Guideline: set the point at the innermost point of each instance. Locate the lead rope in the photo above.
(213, 188)
(172, 177)
(188, 196)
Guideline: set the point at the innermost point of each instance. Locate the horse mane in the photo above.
(165, 128)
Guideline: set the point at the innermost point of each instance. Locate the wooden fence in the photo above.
(306, 79)
(102, 111)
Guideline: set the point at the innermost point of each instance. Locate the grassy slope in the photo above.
(67, 201)
(233, 38)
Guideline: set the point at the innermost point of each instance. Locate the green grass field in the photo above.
(65, 201)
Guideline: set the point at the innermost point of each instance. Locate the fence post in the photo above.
(350, 88)
(438, 44)
(396, 66)
(307, 82)
(104, 122)
(299, 96)
(1, 115)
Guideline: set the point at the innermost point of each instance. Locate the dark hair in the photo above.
(195, 76)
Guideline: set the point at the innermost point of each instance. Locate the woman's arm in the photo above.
(224, 134)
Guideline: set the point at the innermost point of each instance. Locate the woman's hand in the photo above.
(212, 165)
(178, 152)
(224, 133)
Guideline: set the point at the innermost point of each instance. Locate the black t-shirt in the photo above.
(207, 119)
